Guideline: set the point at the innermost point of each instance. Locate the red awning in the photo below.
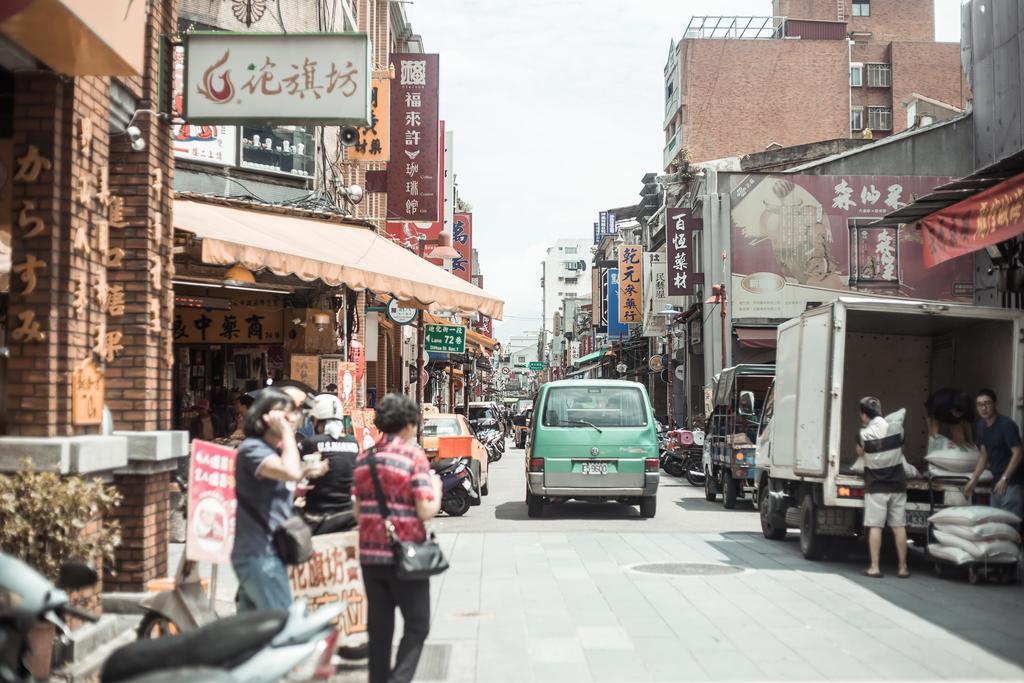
(757, 337)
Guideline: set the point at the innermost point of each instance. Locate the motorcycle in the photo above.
(494, 441)
(27, 599)
(258, 647)
(690, 445)
(457, 489)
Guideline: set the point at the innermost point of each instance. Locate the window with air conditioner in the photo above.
(856, 75)
(861, 8)
(857, 118)
(880, 118)
(879, 76)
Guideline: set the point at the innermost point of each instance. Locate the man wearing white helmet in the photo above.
(329, 503)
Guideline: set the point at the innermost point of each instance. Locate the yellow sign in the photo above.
(87, 395)
(631, 284)
(373, 141)
(305, 369)
(251, 322)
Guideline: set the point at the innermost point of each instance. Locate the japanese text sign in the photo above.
(444, 338)
(414, 182)
(631, 284)
(211, 503)
(462, 240)
(374, 141)
(679, 236)
(281, 78)
(331, 575)
(984, 219)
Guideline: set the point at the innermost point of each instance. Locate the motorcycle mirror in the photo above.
(74, 575)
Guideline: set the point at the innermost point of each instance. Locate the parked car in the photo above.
(592, 440)
(439, 425)
(486, 415)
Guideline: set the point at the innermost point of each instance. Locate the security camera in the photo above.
(135, 136)
(349, 136)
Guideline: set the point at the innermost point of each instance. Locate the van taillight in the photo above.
(651, 464)
(536, 464)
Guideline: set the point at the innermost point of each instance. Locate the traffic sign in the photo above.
(506, 371)
(535, 365)
(444, 338)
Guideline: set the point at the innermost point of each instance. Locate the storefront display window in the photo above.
(280, 149)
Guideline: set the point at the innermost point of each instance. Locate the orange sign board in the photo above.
(631, 284)
(305, 368)
(373, 144)
(87, 388)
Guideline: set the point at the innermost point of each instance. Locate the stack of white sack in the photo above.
(975, 533)
(953, 461)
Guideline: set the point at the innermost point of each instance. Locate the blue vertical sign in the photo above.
(616, 329)
(612, 220)
(597, 237)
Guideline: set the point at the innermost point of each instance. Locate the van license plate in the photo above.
(594, 468)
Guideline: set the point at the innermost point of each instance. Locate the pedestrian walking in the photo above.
(412, 495)
(999, 440)
(267, 464)
(885, 484)
(329, 502)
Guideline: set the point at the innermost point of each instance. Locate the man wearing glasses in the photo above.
(999, 441)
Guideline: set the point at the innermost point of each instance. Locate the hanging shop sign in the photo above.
(240, 324)
(321, 78)
(414, 182)
(401, 315)
(374, 143)
(616, 328)
(462, 240)
(681, 225)
(631, 284)
(211, 503)
(444, 338)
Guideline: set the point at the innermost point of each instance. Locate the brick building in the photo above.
(815, 70)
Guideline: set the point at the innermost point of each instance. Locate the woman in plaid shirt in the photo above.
(413, 493)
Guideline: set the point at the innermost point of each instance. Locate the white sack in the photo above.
(991, 531)
(954, 459)
(989, 551)
(949, 554)
(971, 515)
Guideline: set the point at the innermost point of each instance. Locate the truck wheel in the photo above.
(772, 526)
(648, 506)
(710, 490)
(729, 487)
(534, 505)
(812, 544)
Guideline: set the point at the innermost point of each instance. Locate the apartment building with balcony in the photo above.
(814, 70)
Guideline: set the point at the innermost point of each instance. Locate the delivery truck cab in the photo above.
(900, 351)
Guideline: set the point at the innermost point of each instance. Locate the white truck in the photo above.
(900, 351)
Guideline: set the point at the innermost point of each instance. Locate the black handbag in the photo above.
(413, 561)
(292, 539)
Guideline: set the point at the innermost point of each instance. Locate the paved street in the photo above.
(560, 599)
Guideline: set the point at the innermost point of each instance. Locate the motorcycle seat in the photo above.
(444, 464)
(223, 644)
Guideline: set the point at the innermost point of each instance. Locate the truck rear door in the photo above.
(813, 395)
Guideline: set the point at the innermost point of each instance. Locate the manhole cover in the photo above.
(685, 569)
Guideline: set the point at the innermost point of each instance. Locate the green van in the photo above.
(592, 440)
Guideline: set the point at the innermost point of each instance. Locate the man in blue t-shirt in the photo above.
(998, 439)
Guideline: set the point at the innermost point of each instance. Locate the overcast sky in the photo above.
(557, 110)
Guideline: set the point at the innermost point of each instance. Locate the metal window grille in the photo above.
(857, 118)
(879, 75)
(880, 118)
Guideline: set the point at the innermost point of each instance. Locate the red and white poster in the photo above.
(333, 574)
(211, 503)
(348, 386)
(364, 427)
(462, 240)
(414, 180)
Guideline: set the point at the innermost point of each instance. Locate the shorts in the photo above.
(1011, 501)
(885, 509)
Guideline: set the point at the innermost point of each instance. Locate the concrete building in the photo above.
(815, 70)
(565, 273)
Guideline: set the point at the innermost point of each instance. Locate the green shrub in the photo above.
(44, 519)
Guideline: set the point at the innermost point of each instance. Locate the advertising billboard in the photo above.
(414, 183)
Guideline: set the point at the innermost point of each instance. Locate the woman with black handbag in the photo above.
(394, 493)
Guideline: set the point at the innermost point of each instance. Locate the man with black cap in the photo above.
(885, 483)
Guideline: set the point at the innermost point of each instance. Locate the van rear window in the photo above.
(600, 406)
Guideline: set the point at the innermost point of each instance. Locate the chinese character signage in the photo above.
(616, 328)
(802, 239)
(655, 293)
(321, 78)
(984, 219)
(679, 237)
(462, 240)
(444, 338)
(212, 144)
(631, 284)
(211, 503)
(374, 140)
(333, 575)
(241, 324)
(414, 182)
(87, 388)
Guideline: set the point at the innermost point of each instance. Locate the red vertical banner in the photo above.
(414, 178)
(462, 240)
(211, 503)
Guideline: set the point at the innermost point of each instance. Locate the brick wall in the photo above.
(144, 515)
(890, 20)
(931, 69)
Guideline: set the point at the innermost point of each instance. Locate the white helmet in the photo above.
(327, 407)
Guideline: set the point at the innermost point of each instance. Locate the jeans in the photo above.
(1012, 500)
(262, 583)
(384, 591)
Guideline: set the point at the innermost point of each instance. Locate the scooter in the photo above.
(494, 441)
(27, 599)
(457, 488)
(253, 647)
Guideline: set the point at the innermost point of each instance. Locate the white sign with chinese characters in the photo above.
(655, 293)
(293, 78)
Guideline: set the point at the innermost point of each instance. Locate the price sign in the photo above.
(444, 338)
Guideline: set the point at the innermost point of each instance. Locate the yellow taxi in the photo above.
(438, 442)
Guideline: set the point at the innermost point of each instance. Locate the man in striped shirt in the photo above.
(885, 483)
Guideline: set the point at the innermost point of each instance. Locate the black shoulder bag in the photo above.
(413, 561)
(292, 539)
